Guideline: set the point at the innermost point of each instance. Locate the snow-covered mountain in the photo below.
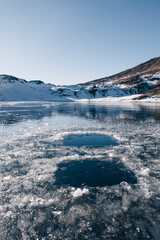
(142, 81)
(15, 89)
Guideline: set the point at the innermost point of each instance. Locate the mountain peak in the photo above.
(152, 66)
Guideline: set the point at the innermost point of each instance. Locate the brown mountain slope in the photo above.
(131, 76)
(137, 78)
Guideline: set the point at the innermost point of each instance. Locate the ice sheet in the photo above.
(32, 206)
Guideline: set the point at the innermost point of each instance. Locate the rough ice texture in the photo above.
(31, 207)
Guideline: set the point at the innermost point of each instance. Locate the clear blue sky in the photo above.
(73, 41)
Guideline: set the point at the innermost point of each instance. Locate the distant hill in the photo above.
(140, 82)
(137, 78)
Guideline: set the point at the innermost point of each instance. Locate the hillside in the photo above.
(140, 82)
(143, 79)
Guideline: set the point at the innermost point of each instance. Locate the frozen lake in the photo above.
(76, 171)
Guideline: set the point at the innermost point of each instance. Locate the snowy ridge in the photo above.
(14, 89)
(141, 82)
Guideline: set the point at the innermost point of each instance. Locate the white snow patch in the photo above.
(144, 172)
(79, 192)
(56, 213)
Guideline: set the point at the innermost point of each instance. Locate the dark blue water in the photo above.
(93, 174)
(93, 140)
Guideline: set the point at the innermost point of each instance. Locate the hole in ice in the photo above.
(93, 173)
(95, 140)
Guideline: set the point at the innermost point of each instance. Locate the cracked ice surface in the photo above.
(32, 206)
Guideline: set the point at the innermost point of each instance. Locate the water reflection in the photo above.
(17, 113)
(101, 112)
(13, 113)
